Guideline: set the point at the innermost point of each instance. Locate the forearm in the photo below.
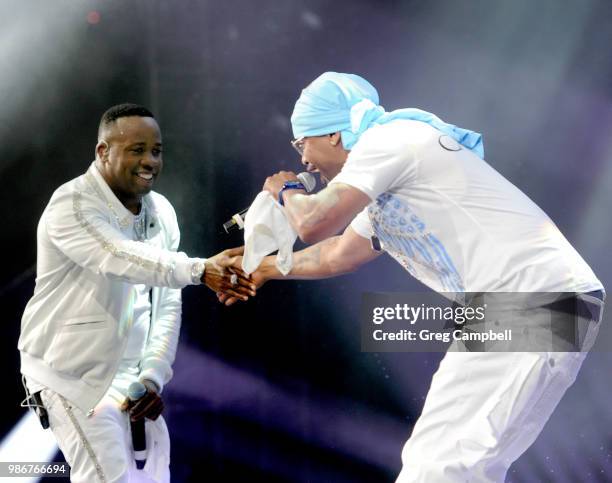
(328, 258)
(162, 342)
(308, 214)
(315, 262)
(317, 217)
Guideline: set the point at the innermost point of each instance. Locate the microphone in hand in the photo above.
(236, 222)
(142, 402)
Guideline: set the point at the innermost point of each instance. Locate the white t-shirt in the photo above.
(452, 221)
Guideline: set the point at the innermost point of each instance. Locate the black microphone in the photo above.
(136, 390)
(236, 222)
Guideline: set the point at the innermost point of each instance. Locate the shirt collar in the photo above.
(124, 216)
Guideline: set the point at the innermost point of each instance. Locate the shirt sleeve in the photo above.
(78, 225)
(162, 342)
(380, 161)
(361, 224)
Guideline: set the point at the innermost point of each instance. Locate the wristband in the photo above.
(289, 185)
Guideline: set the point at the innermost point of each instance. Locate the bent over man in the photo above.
(417, 188)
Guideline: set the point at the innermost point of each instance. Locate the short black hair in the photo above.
(123, 110)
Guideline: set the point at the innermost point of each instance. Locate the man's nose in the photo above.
(151, 161)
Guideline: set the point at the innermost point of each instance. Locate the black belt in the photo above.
(582, 308)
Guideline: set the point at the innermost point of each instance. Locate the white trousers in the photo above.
(484, 409)
(99, 448)
(482, 412)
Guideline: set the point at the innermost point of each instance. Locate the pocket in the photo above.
(85, 322)
(83, 347)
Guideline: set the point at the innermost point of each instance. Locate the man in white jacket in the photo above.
(106, 309)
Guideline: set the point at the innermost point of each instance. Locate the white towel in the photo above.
(266, 229)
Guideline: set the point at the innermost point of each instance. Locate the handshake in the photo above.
(223, 274)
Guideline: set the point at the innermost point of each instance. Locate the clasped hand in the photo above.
(257, 278)
(224, 275)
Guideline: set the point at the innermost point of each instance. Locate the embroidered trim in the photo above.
(123, 223)
(84, 440)
(157, 266)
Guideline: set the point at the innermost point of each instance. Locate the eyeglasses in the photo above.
(298, 145)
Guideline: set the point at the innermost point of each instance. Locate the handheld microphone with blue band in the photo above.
(236, 222)
(136, 390)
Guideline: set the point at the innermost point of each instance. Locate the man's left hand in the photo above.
(148, 406)
(275, 182)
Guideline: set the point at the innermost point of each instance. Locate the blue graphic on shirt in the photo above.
(405, 237)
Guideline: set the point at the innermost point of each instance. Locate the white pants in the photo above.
(99, 448)
(482, 412)
(484, 409)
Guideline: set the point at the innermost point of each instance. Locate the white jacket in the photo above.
(74, 328)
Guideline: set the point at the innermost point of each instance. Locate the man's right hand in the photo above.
(223, 274)
(257, 277)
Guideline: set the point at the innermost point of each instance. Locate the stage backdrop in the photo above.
(278, 389)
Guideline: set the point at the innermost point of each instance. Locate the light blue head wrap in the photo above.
(348, 104)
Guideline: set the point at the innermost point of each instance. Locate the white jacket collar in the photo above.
(124, 216)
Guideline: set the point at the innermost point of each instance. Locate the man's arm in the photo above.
(162, 341)
(77, 224)
(329, 258)
(319, 216)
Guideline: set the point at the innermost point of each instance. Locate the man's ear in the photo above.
(102, 150)
(335, 138)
